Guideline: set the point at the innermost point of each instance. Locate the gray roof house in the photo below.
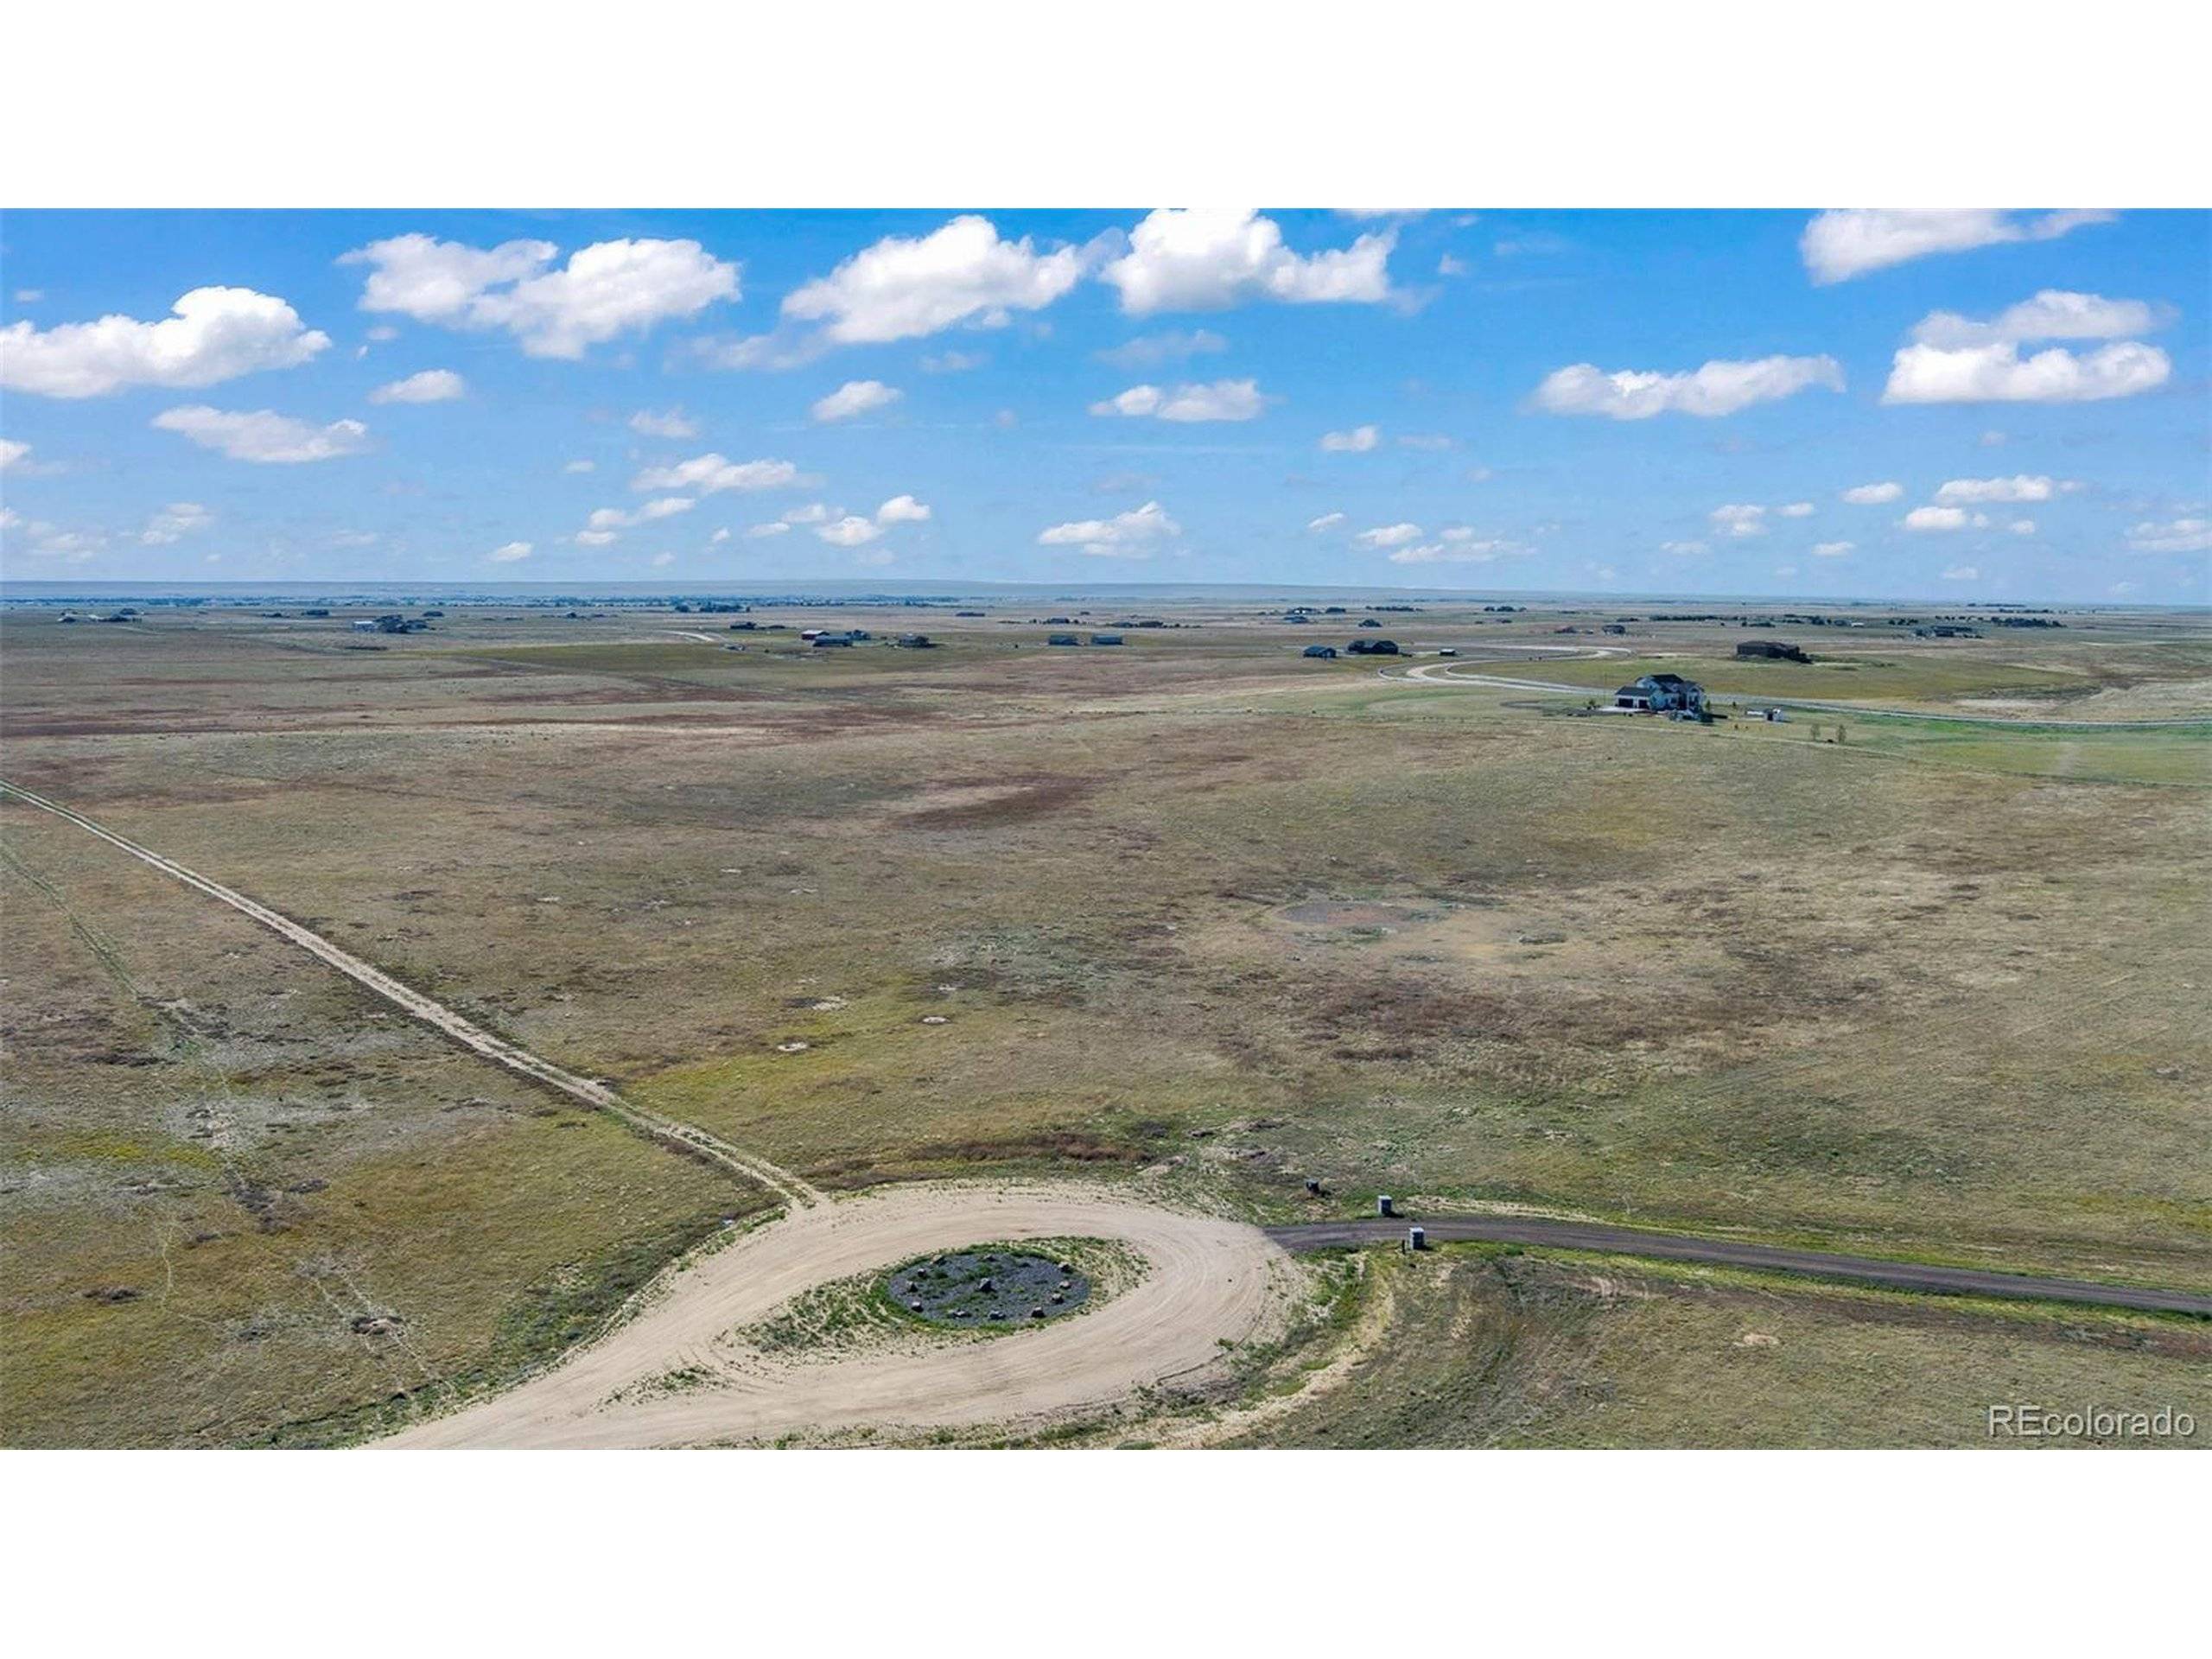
(1660, 694)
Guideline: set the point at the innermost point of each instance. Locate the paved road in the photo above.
(1449, 673)
(683, 1137)
(1769, 1258)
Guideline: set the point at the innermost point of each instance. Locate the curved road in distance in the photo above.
(1765, 1258)
(1446, 673)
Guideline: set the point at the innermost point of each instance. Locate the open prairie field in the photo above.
(1193, 918)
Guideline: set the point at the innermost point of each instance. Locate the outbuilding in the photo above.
(1318, 651)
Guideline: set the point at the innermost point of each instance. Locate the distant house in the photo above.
(366, 624)
(1947, 631)
(1062, 640)
(1447, 650)
(1107, 639)
(1773, 648)
(1296, 616)
(1318, 651)
(822, 639)
(1775, 715)
(1372, 648)
(1660, 694)
(1612, 627)
(917, 642)
(1369, 622)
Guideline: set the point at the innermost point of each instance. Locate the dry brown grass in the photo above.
(1936, 1005)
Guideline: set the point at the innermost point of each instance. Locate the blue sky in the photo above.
(1627, 402)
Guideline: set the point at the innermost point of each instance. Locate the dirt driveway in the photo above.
(1207, 1282)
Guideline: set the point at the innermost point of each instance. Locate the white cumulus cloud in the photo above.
(1833, 550)
(13, 455)
(904, 287)
(1389, 536)
(1962, 573)
(1325, 522)
(1850, 242)
(174, 522)
(509, 552)
(1739, 518)
(663, 424)
(213, 334)
(855, 398)
(2019, 488)
(431, 386)
(1946, 519)
(1873, 495)
(851, 531)
(606, 519)
(2171, 536)
(264, 435)
(2054, 314)
(604, 290)
(1127, 535)
(1998, 373)
(902, 510)
(1202, 259)
(1357, 441)
(710, 474)
(1720, 387)
(1220, 400)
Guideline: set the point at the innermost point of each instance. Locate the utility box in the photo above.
(1416, 1238)
(1382, 1205)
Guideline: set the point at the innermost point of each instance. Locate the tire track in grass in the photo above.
(686, 1138)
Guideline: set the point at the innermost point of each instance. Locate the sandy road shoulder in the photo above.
(1207, 1282)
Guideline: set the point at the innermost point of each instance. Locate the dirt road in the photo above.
(1769, 1258)
(1208, 1282)
(682, 1137)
